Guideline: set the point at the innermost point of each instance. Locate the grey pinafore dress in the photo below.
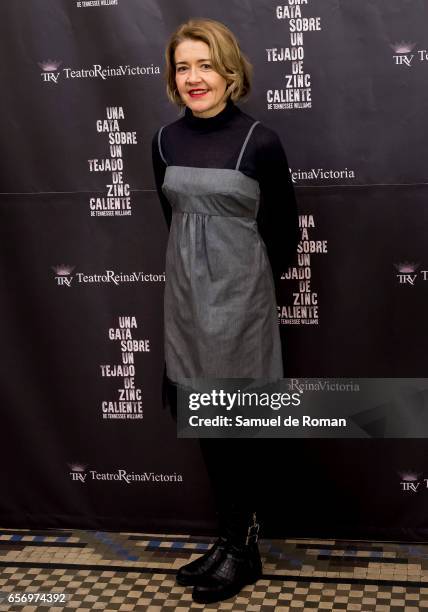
(220, 314)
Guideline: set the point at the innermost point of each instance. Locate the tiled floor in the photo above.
(125, 571)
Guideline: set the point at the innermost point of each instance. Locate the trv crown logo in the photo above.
(51, 73)
(408, 273)
(64, 278)
(411, 482)
(63, 274)
(80, 473)
(404, 56)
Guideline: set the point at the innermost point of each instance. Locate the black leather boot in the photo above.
(240, 565)
(194, 572)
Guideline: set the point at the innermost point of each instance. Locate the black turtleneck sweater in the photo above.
(215, 142)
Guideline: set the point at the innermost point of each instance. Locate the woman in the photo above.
(226, 193)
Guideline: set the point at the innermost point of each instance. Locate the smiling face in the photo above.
(200, 87)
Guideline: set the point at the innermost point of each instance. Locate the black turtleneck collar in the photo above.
(209, 123)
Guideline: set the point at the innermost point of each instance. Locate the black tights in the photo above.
(233, 470)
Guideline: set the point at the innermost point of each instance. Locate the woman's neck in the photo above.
(208, 123)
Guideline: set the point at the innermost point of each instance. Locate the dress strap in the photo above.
(245, 144)
(160, 145)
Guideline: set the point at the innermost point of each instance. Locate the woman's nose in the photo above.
(194, 74)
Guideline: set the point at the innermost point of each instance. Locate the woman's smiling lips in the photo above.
(197, 93)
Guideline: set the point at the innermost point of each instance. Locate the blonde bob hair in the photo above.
(226, 56)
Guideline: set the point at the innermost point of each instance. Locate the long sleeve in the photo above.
(159, 168)
(277, 218)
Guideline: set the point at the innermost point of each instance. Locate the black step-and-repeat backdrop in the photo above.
(85, 442)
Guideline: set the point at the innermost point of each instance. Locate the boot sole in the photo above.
(211, 598)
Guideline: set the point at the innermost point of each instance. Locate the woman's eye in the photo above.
(206, 65)
(181, 68)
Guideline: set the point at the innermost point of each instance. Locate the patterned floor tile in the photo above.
(128, 571)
